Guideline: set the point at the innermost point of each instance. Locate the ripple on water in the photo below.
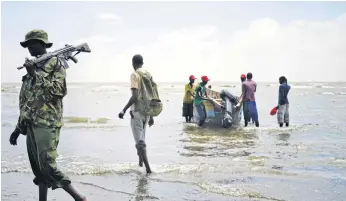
(226, 189)
(216, 142)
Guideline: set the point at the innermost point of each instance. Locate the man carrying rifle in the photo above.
(41, 111)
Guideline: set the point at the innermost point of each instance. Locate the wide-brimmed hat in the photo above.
(36, 34)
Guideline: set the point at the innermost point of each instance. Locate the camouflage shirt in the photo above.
(40, 99)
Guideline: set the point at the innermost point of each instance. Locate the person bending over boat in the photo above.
(248, 98)
(188, 99)
(283, 107)
(200, 97)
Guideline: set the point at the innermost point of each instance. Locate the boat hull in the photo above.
(228, 117)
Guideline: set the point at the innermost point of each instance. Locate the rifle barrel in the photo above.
(66, 51)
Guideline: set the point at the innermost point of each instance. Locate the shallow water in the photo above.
(306, 161)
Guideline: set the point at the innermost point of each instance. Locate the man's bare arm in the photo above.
(200, 94)
(132, 100)
(243, 90)
(189, 92)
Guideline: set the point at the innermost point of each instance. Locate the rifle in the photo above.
(63, 53)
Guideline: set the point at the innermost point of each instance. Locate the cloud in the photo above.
(97, 39)
(301, 50)
(110, 18)
(168, 58)
(95, 66)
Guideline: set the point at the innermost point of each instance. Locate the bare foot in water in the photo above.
(82, 199)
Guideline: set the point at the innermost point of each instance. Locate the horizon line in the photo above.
(187, 81)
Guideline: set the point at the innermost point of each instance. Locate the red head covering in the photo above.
(192, 77)
(243, 76)
(205, 78)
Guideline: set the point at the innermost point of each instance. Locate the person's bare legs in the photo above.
(140, 163)
(43, 191)
(143, 154)
(72, 191)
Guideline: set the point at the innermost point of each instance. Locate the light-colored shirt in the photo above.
(187, 97)
(249, 88)
(136, 84)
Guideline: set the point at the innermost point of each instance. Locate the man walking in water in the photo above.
(248, 98)
(188, 99)
(143, 88)
(283, 107)
(41, 111)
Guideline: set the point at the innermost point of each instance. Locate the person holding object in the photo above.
(41, 115)
(200, 97)
(188, 99)
(145, 105)
(283, 104)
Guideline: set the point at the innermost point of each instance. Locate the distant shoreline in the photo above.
(213, 83)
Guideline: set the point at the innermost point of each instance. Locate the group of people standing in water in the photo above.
(195, 95)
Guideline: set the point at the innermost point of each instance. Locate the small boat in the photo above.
(224, 113)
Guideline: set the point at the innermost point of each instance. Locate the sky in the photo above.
(304, 41)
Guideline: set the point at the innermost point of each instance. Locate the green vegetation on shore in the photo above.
(229, 86)
(85, 120)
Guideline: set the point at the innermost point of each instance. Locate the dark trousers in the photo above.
(250, 111)
(188, 111)
(42, 143)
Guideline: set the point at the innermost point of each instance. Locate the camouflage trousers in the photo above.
(42, 143)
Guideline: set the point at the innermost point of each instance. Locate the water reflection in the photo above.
(283, 139)
(217, 142)
(142, 188)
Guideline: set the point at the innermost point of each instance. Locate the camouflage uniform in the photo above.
(41, 108)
